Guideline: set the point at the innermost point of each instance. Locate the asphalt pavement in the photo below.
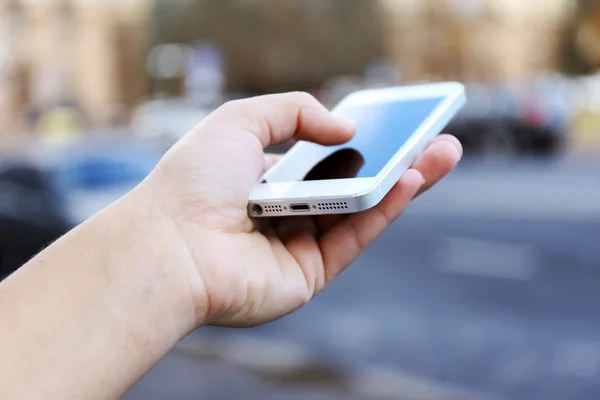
(487, 288)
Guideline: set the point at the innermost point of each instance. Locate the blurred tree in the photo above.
(273, 45)
(581, 45)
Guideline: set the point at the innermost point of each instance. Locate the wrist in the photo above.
(116, 288)
(153, 249)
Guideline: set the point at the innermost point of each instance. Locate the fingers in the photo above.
(440, 158)
(347, 239)
(276, 118)
(299, 236)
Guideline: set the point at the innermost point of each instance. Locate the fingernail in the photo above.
(458, 146)
(423, 180)
(346, 122)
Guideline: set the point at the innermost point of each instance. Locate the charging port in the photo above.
(300, 208)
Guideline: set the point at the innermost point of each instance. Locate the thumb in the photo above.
(277, 118)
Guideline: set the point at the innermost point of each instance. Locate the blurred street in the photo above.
(486, 288)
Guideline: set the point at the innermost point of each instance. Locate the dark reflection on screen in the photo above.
(343, 164)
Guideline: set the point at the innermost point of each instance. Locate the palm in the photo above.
(259, 269)
(264, 277)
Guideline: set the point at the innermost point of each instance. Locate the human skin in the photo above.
(95, 311)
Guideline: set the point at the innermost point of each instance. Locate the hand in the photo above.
(242, 273)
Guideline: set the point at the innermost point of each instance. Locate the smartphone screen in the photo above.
(382, 129)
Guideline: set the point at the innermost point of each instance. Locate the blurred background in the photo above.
(486, 289)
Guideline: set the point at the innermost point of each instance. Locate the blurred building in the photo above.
(272, 46)
(475, 40)
(87, 56)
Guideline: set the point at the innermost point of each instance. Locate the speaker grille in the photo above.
(332, 206)
(273, 209)
(340, 206)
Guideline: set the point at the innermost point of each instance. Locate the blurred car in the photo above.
(518, 119)
(31, 214)
(46, 190)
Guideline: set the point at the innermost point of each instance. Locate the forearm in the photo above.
(96, 310)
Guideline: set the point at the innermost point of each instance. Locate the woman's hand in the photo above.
(243, 274)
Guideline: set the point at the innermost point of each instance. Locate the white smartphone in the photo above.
(394, 125)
